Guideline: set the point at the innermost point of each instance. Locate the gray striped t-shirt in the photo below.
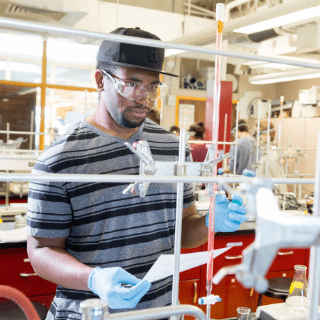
(102, 226)
(245, 155)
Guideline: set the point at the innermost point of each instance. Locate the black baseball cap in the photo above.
(132, 55)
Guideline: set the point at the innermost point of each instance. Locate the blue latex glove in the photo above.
(220, 171)
(107, 284)
(228, 215)
(248, 173)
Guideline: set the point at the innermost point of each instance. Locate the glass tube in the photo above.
(243, 313)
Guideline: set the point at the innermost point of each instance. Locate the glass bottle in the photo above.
(243, 313)
(297, 299)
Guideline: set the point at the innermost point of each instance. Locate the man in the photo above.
(90, 238)
(245, 151)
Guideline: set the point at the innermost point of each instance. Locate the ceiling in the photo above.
(286, 41)
(297, 41)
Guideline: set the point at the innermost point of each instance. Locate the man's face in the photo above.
(128, 113)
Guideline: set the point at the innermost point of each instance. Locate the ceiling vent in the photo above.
(37, 14)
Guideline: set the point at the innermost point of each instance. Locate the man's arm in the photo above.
(194, 229)
(52, 262)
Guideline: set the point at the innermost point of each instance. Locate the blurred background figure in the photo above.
(275, 165)
(245, 159)
(154, 115)
(198, 150)
(175, 130)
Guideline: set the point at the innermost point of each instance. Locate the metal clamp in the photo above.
(207, 167)
(147, 165)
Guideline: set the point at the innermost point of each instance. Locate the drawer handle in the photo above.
(285, 253)
(24, 275)
(26, 260)
(233, 258)
(195, 295)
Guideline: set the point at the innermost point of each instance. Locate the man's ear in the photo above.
(99, 80)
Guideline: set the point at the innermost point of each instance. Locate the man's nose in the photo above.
(144, 100)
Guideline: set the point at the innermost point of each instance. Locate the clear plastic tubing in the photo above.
(220, 8)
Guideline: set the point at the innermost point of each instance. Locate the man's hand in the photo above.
(228, 215)
(107, 284)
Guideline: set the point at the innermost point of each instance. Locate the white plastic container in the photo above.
(20, 221)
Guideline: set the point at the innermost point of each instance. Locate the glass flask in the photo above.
(297, 299)
(243, 313)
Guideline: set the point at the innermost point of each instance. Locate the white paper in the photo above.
(164, 266)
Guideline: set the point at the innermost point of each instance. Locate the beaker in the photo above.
(297, 300)
(243, 313)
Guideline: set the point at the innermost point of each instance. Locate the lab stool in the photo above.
(9, 310)
(278, 289)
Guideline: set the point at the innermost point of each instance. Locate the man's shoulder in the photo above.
(246, 140)
(156, 131)
(75, 139)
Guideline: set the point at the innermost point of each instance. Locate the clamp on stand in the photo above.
(150, 167)
(274, 229)
(207, 167)
(147, 165)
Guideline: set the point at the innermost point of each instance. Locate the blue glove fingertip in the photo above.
(220, 171)
(146, 284)
(237, 199)
(220, 198)
(248, 173)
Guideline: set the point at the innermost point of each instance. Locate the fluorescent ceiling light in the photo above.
(261, 64)
(59, 50)
(171, 52)
(281, 21)
(285, 76)
(17, 44)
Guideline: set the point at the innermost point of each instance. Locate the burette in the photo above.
(215, 126)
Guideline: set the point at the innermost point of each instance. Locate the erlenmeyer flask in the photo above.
(243, 313)
(297, 300)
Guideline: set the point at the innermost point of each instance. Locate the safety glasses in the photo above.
(134, 91)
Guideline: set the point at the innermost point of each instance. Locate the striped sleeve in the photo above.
(49, 210)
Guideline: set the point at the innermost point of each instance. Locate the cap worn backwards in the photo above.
(132, 55)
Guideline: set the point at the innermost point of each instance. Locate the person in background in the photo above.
(175, 130)
(154, 115)
(89, 237)
(245, 151)
(198, 150)
(275, 165)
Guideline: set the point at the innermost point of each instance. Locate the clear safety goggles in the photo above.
(134, 91)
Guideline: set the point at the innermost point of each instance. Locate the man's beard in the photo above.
(124, 122)
(129, 124)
